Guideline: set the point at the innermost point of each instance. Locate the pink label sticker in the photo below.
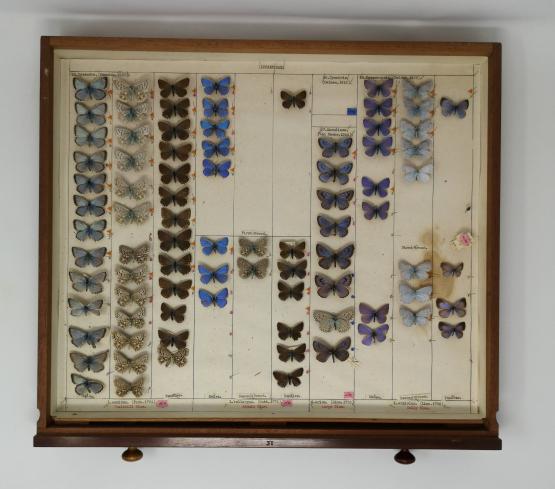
(286, 403)
(161, 403)
(348, 395)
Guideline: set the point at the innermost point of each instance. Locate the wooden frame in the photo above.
(408, 434)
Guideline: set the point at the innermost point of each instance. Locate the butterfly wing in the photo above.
(325, 285)
(423, 293)
(407, 294)
(322, 349)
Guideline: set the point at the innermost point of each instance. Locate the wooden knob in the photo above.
(404, 457)
(132, 454)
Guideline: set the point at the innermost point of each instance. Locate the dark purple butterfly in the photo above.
(372, 211)
(450, 270)
(334, 173)
(332, 227)
(376, 146)
(331, 147)
(376, 88)
(446, 308)
(374, 107)
(337, 258)
(448, 330)
(325, 351)
(374, 127)
(368, 314)
(339, 287)
(448, 107)
(340, 200)
(375, 188)
(376, 335)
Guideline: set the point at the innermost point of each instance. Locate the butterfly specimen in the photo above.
(340, 322)
(259, 247)
(370, 315)
(208, 299)
(132, 113)
(420, 317)
(170, 265)
(292, 249)
(217, 128)
(421, 271)
(135, 341)
(339, 287)
(179, 131)
(422, 149)
(331, 173)
(375, 188)
(92, 231)
(181, 240)
(81, 282)
(215, 109)
(169, 289)
(332, 147)
(94, 184)
(422, 174)
(168, 197)
(214, 246)
(334, 258)
(85, 386)
(177, 88)
(124, 387)
(450, 270)
(211, 169)
(292, 270)
(409, 295)
(93, 115)
(79, 308)
(374, 211)
(179, 219)
(139, 254)
(89, 163)
(131, 137)
(169, 174)
(137, 364)
(373, 335)
(324, 351)
(126, 161)
(448, 107)
(93, 207)
(91, 337)
(377, 128)
(168, 150)
(332, 227)
(448, 330)
(125, 296)
(420, 130)
(293, 100)
(252, 270)
(131, 92)
(287, 292)
(174, 109)
(169, 313)
(376, 146)
(208, 274)
(293, 332)
(219, 148)
(94, 90)
(382, 107)
(211, 86)
(291, 353)
(417, 90)
(420, 109)
(446, 308)
(131, 215)
(167, 357)
(173, 340)
(84, 257)
(382, 88)
(96, 137)
(128, 320)
(292, 378)
(91, 363)
(329, 199)
(136, 275)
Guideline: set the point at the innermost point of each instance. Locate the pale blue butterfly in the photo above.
(409, 295)
(96, 137)
(419, 318)
(420, 271)
(422, 174)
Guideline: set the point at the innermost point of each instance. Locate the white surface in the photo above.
(528, 170)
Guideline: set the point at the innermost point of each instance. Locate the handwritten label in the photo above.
(337, 80)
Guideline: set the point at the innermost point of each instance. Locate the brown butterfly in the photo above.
(178, 88)
(137, 364)
(123, 387)
(166, 357)
(169, 174)
(171, 109)
(180, 219)
(169, 288)
(179, 131)
(291, 353)
(168, 150)
(289, 100)
(179, 198)
(294, 249)
(292, 378)
(169, 240)
(293, 332)
(170, 265)
(325, 351)
(139, 254)
(173, 340)
(450, 270)
(168, 312)
(292, 270)
(287, 292)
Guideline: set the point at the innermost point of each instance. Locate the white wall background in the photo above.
(527, 31)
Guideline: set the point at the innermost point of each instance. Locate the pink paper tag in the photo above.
(286, 403)
(348, 395)
(161, 403)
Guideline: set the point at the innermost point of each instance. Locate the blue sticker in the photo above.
(351, 111)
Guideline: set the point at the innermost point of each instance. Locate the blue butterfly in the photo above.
(375, 188)
(81, 336)
(448, 107)
(376, 146)
(219, 148)
(84, 257)
(212, 169)
(372, 211)
(95, 89)
(79, 308)
(376, 128)
(420, 317)
(420, 109)
(212, 109)
(94, 231)
(337, 258)
(218, 246)
(420, 130)
(409, 295)
(93, 207)
(331, 227)
(208, 299)
(329, 172)
(423, 149)
(208, 275)
(93, 163)
(94, 115)
(340, 200)
(216, 86)
(94, 138)
(331, 147)
(94, 184)
(421, 91)
(218, 128)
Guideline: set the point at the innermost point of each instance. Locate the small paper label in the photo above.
(162, 403)
(348, 395)
(462, 240)
(286, 403)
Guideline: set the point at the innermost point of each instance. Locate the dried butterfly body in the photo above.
(259, 247)
(132, 92)
(340, 322)
(173, 340)
(135, 191)
(450, 270)
(140, 254)
(131, 215)
(293, 100)
(293, 332)
(136, 364)
(324, 351)
(177, 88)
(136, 275)
(292, 249)
(124, 387)
(167, 357)
(86, 387)
(122, 340)
(128, 320)
(252, 270)
(93, 363)
(125, 296)
(292, 378)
(291, 353)
(132, 113)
